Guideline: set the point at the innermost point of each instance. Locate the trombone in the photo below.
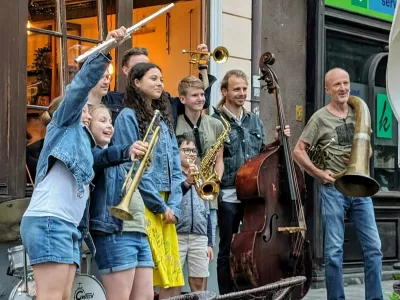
(220, 55)
(122, 210)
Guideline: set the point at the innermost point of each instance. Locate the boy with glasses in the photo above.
(194, 224)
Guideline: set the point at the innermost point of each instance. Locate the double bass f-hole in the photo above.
(268, 232)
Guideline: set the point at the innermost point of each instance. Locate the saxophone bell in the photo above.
(206, 179)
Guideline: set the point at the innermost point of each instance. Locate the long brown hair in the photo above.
(138, 101)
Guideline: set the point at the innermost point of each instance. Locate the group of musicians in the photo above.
(94, 136)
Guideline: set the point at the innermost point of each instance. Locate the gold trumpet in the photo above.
(220, 55)
(122, 211)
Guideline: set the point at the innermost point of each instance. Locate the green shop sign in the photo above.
(384, 117)
(380, 9)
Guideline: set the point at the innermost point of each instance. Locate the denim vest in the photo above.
(244, 142)
(163, 174)
(66, 138)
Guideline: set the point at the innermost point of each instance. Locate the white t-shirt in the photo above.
(57, 196)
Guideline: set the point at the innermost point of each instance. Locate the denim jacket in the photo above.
(163, 174)
(103, 158)
(244, 142)
(66, 138)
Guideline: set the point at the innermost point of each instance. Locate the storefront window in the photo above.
(355, 55)
(350, 53)
(50, 65)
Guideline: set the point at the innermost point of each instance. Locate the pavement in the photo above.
(352, 292)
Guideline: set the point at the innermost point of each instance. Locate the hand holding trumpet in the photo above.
(138, 150)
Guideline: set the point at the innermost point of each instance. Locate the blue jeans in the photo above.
(213, 216)
(334, 207)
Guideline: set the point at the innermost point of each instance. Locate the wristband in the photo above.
(203, 67)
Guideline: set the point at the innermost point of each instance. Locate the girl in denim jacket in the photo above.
(49, 226)
(159, 187)
(119, 252)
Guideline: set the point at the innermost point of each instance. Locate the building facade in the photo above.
(308, 37)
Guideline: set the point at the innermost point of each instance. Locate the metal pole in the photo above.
(101, 20)
(256, 39)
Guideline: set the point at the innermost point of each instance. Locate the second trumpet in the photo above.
(220, 55)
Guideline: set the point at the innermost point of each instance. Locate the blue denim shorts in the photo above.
(122, 251)
(50, 239)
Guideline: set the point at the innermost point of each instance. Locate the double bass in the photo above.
(272, 243)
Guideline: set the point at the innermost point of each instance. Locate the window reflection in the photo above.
(42, 68)
(42, 11)
(350, 53)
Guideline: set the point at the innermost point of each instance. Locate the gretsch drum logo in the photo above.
(80, 294)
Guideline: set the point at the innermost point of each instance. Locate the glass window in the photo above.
(350, 53)
(42, 14)
(42, 67)
(46, 59)
(83, 15)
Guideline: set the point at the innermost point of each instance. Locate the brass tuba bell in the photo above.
(355, 180)
(220, 55)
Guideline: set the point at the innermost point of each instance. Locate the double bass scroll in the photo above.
(272, 244)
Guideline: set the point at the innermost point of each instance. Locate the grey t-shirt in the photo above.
(209, 130)
(323, 128)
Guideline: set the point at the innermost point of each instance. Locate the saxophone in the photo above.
(206, 179)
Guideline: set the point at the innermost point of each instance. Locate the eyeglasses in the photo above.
(108, 77)
(187, 151)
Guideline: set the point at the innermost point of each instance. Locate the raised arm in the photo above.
(70, 110)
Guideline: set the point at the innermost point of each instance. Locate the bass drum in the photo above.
(18, 292)
(87, 287)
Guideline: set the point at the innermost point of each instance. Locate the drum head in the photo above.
(18, 292)
(87, 287)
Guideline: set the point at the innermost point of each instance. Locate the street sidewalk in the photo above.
(352, 292)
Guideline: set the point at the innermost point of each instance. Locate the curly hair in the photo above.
(138, 101)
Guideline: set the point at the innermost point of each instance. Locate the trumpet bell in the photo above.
(121, 212)
(220, 55)
(356, 185)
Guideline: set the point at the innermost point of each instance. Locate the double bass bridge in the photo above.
(291, 229)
